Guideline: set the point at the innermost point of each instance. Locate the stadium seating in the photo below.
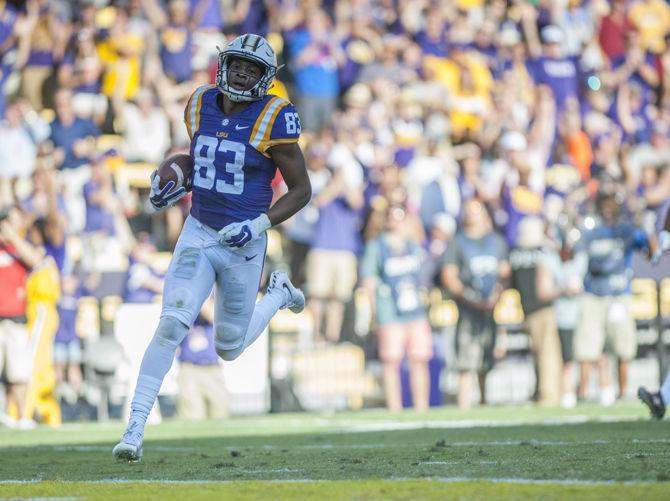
(644, 300)
(332, 376)
(442, 313)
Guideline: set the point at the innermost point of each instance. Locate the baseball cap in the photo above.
(552, 34)
(513, 141)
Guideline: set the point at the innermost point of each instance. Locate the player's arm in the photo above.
(291, 163)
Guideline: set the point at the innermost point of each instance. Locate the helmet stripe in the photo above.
(250, 42)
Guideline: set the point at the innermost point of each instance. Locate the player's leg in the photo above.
(188, 283)
(239, 319)
(665, 390)
(656, 401)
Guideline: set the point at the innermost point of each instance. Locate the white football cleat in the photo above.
(127, 452)
(280, 281)
(130, 447)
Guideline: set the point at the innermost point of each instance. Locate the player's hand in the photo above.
(165, 196)
(663, 246)
(240, 234)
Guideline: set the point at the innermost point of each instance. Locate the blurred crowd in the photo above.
(467, 146)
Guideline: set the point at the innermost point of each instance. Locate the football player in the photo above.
(657, 401)
(239, 135)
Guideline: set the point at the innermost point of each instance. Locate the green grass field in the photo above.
(487, 453)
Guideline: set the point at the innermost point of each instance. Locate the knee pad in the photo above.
(170, 331)
(235, 296)
(229, 340)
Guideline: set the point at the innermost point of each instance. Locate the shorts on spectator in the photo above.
(412, 338)
(606, 318)
(475, 339)
(331, 274)
(67, 353)
(15, 353)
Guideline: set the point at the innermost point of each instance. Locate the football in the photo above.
(177, 168)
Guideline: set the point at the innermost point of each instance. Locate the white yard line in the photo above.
(483, 443)
(502, 480)
(105, 448)
(357, 426)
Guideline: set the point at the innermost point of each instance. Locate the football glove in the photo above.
(662, 247)
(165, 196)
(240, 234)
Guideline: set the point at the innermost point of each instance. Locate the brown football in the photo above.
(177, 168)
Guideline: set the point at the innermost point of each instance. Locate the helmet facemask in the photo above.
(259, 52)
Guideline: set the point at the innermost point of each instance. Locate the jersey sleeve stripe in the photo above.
(274, 142)
(187, 113)
(260, 118)
(267, 120)
(268, 130)
(194, 112)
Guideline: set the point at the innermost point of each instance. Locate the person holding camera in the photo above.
(606, 307)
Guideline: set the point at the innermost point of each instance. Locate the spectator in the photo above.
(47, 46)
(175, 38)
(613, 29)
(439, 237)
(300, 229)
(67, 354)
(316, 56)
(81, 70)
(605, 312)
(549, 65)
(652, 19)
(433, 38)
(42, 296)
(441, 195)
(120, 53)
(74, 142)
(18, 150)
(390, 273)
(49, 228)
(474, 266)
(146, 129)
(18, 258)
(8, 19)
(332, 261)
(637, 66)
(567, 271)
(532, 278)
(105, 232)
(144, 283)
(202, 387)
(207, 20)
